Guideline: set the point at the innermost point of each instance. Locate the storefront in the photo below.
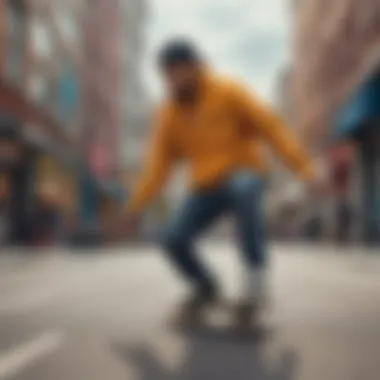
(5, 193)
(88, 199)
(55, 187)
(41, 93)
(99, 208)
(15, 168)
(111, 209)
(359, 122)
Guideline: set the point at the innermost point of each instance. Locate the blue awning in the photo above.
(361, 108)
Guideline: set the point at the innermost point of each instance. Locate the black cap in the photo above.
(178, 52)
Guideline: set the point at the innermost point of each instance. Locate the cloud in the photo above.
(244, 38)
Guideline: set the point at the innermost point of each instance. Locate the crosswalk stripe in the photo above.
(19, 358)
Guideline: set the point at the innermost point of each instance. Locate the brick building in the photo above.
(335, 47)
(336, 54)
(35, 45)
(104, 85)
(112, 94)
(40, 71)
(137, 107)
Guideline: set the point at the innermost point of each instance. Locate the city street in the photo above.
(103, 316)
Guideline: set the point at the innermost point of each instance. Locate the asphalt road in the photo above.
(104, 316)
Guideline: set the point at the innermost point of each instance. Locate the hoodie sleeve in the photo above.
(157, 167)
(259, 120)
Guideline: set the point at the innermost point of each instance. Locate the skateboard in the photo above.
(221, 321)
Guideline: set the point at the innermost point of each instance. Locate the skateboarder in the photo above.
(216, 127)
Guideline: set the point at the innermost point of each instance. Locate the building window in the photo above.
(42, 43)
(67, 26)
(16, 35)
(37, 88)
(42, 90)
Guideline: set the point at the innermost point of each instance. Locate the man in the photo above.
(342, 158)
(217, 128)
(5, 192)
(12, 151)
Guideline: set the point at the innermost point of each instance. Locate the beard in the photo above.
(187, 94)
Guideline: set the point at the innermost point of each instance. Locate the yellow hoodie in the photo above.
(223, 132)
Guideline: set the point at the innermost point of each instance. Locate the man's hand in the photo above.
(318, 182)
(318, 186)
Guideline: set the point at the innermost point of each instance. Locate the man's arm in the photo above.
(157, 167)
(259, 120)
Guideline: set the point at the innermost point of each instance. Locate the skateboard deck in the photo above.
(219, 321)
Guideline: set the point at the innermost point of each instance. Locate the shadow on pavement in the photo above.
(209, 359)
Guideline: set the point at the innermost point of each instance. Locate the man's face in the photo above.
(181, 81)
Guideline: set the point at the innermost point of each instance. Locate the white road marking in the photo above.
(16, 360)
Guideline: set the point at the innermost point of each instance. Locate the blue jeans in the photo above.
(241, 195)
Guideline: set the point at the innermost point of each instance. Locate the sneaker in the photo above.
(193, 308)
(245, 315)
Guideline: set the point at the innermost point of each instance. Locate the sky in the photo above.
(246, 39)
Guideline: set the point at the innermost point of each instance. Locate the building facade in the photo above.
(335, 46)
(136, 106)
(335, 51)
(40, 71)
(40, 44)
(102, 78)
(286, 196)
(104, 73)
(113, 96)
